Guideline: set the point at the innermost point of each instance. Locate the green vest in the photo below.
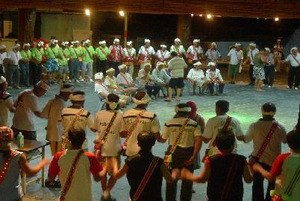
(87, 53)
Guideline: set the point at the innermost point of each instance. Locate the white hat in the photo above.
(147, 40)
(110, 70)
(198, 63)
(237, 45)
(196, 41)
(267, 49)
(53, 41)
(145, 100)
(16, 46)
(211, 64)
(87, 41)
(293, 48)
(116, 40)
(77, 97)
(26, 45)
(99, 76)
(159, 63)
(252, 44)
(67, 88)
(129, 43)
(2, 80)
(163, 46)
(75, 42)
(122, 66)
(2, 47)
(63, 43)
(102, 42)
(214, 44)
(66, 42)
(43, 85)
(40, 43)
(177, 40)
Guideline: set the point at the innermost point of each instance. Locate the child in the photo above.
(224, 172)
(11, 162)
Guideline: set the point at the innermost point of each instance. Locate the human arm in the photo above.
(201, 178)
(266, 174)
(248, 177)
(26, 168)
(208, 132)
(121, 172)
(197, 147)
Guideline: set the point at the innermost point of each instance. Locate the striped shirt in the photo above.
(177, 66)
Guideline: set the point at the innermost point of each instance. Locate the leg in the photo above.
(22, 69)
(16, 76)
(171, 191)
(258, 187)
(186, 190)
(170, 91)
(267, 74)
(26, 76)
(83, 70)
(178, 92)
(90, 71)
(272, 75)
(10, 75)
(297, 79)
(290, 77)
(221, 88)
(76, 69)
(211, 88)
(251, 74)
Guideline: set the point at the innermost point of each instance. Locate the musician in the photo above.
(178, 48)
(214, 79)
(130, 57)
(163, 55)
(115, 55)
(194, 53)
(294, 73)
(146, 53)
(278, 53)
(213, 54)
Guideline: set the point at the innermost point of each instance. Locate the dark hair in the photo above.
(225, 140)
(146, 141)
(223, 105)
(67, 85)
(293, 139)
(76, 137)
(173, 54)
(140, 94)
(181, 113)
(78, 93)
(268, 107)
(113, 98)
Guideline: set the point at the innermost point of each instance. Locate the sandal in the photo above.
(54, 184)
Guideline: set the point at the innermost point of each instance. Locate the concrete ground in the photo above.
(244, 104)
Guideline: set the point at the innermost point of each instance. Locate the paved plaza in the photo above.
(244, 104)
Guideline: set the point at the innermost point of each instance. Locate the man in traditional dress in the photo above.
(194, 52)
(146, 53)
(161, 78)
(116, 54)
(75, 53)
(163, 55)
(213, 54)
(178, 48)
(130, 57)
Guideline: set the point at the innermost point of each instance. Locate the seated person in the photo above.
(160, 77)
(111, 83)
(102, 90)
(146, 81)
(214, 78)
(197, 77)
(124, 79)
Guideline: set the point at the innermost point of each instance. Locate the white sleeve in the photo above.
(208, 131)
(190, 74)
(140, 50)
(238, 129)
(106, 82)
(249, 134)
(230, 53)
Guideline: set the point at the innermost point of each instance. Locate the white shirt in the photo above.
(196, 74)
(143, 81)
(148, 122)
(235, 56)
(251, 55)
(2, 57)
(213, 54)
(101, 88)
(214, 75)
(108, 80)
(15, 57)
(146, 52)
(194, 52)
(258, 131)
(6, 104)
(293, 60)
(129, 52)
(112, 144)
(177, 65)
(124, 79)
(163, 55)
(215, 124)
(25, 104)
(179, 49)
(160, 77)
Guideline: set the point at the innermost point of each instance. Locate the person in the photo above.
(146, 81)
(124, 79)
(278, 53)
(12, 162)
(101, 54)
(284, 170)
(14, 57)
(3, 57)
(37, 57)
(136, 167)
(63, 67)
(293, 59)
(107, 125)
(258, 69)
(184, 139)
(115, 55)
(214, 79)
(52, 55)
(217, 123)
(163, 55)
(160, 77)
(24, 64)
(111, 83)
(269, 68)
(176, 66)
(197, 78)
(75, 117)
(236, 58)
(88, 53)
(78, 182)
(178, 48)
(213, 54)
(6, 103)
(253, 51)
(130, 57)
(194, 52)
(26, 108)
(138, 120)
(52, 112)
(75, 53)
(267, 135)
(224, 172)
(146, 52)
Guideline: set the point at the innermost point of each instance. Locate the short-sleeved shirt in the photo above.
(173, 127)
(195, 52)
(6, 104)
(177, 66)
(293, 60)
(81, 187)
(235, 56)
(178, 49)
(112, 143)
(15, 57)
(258, 131)
(87, 54)
(251, 55)
(213, 54)
(26, 54)
(196, 74)
(26, 105)
(52, 52)
(37, 54)
(148, 123)
(163, 55)
(215, 124)
(102, 88)
(64, 54)
(124, 79)
(102, 53)
(75, 52)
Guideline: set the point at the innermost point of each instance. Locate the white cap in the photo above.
(129, 43)
(75, 42)
(177, 40)
(252, 44)
(102, 42)
(211, 64)
(66, 42)
(43, 85)
(99, 76)
(26, 45)
(2, 80)
(294, 48)
(110, 70)
(214, 44)
(198, 63)
(267, 49)
(2, 47)
(163, 46)
(16, 46)
(53, 41)
(196, 41)
(67, 88)
(40, 43)
(63, 43)
(87, 41)
(237, 45)
(147, 64)
(122, 66)
(116, 40)
(147, 40)
(77, 97)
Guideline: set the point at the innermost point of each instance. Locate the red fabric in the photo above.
(114, 51)
(95, 166)
(277, 165)
(193, 109)
(54, 167)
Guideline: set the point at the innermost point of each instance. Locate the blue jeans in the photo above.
(24, 74)
(13, 75)
(74, 71)
(36, 72)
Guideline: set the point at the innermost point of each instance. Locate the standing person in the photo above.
(176, 66)
(3, 56)
(63, 67)
(37, 57)
(102, 53)
(12, 162)
(138, 120)
(146, 81)
(115, 55)
(178, 48)
(184, 144)
(223, 172)
(6, 103)
(146, 52)
(236, 58)
(214, 79)
(163, 55)
(213, 54)
(258, 69)
(75, 53)
(137, 168)
(293, 59)
(24, 64)
(278, 53)
(267, 135)
(26, 108)
(160, 78)
(74, 166)
(107, 125)
(13, 77)
(269, 68)
(130, 57)
(52, 112)
(194, 52)
(197, 78)
(219, 122)
(88, 53)
(52, 55)
(253, 51)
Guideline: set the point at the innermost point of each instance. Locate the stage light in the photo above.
(192, 15)
(87, 12)
(276, 19)
(201, 15)
(122, 13)
(209, 16)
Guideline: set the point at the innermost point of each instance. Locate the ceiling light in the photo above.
(276, 19)
(122, 13)
(87, 12)
(208, 16)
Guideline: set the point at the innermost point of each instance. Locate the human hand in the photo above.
(190, 161)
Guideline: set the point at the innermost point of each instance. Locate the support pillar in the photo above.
(184, 24)
(26, 25)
